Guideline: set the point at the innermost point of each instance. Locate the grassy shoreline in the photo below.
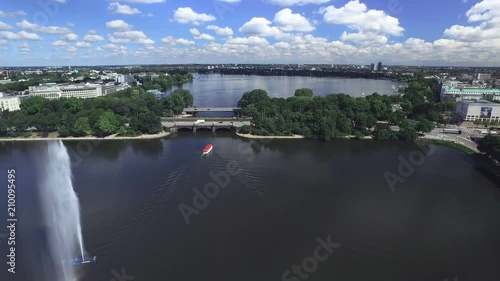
(111, 137)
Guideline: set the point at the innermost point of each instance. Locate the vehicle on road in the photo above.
(452, 131)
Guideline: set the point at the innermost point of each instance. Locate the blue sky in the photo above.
(413, 32)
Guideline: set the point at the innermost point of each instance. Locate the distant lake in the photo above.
(226, 90)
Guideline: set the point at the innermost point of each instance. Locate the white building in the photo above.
(127, 78)
(478, 110)
(451, 93)
(109, 88)
(84, 91)
(10, 103)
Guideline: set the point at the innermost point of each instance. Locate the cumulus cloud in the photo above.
(43, 29)
(230, 1)
(288, 21)
(296, 2)
(24, 48)
(12, 14)
(4, 26)
(224, 31)
(487, 14)
(184, 42)
(186, 15)
(71, 37)
(83, 45)
(92, 38)
(169, 40)
(252, 40)
(260, 27)
(117, 8)
(144, 1)
(22, 35)
(200, 36)
(373, 26)
(127, 36)
(118, 25)
(112, 47)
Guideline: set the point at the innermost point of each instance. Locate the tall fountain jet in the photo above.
(61, 210)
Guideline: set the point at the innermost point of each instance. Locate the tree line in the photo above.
(129, 112)
(338, 115)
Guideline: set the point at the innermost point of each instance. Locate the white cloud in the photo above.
(252, 40)
(60, 43)
(224, 31)
(184, 42)
(169, 40)
(83, 45)
(144, 1)
(200, 36)
(43, 29)
(118, 25)
(372, 25)
(22, 35)
(187, 15)
(4, 26)
(296, 2)
(92, 38)
(61, 1)
(288, 21)
(260, 27)
(12, 14)
(117, 8)
(115, 40)
(71, 37)
(24, 48)
(194, 32)
(112, 47)
(135, 36)
(487, 14)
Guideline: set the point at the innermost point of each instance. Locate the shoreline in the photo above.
(111, 137)
(249, 136)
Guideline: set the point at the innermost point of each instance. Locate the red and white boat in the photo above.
(208, 149)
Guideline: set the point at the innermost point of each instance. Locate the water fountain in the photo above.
(61, 210)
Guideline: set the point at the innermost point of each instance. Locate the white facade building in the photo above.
(9, 103)
(482, 110)
(127, 78)
(70, 91)
(451, 93)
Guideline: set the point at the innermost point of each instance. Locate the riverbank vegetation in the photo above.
(339, 115)
(127, 113)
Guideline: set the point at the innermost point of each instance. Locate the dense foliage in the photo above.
(164, 82)
(128, 112)
(338, 115)
(491, 146)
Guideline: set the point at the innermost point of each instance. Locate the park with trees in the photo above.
(339, 115)
(129, 112)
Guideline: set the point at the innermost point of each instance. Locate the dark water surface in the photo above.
(226, 90)
(441, 223)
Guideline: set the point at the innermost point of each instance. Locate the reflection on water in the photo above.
(441, 219)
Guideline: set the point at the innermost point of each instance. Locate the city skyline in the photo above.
(129, 32)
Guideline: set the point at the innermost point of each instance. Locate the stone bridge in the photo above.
(174, 126)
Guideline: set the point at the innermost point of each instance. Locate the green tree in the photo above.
(304, 93)
(107, 123)
(81, 127)
(147, 123)
(424, 125)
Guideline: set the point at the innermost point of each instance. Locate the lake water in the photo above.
(226, 90)
(440, 223)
